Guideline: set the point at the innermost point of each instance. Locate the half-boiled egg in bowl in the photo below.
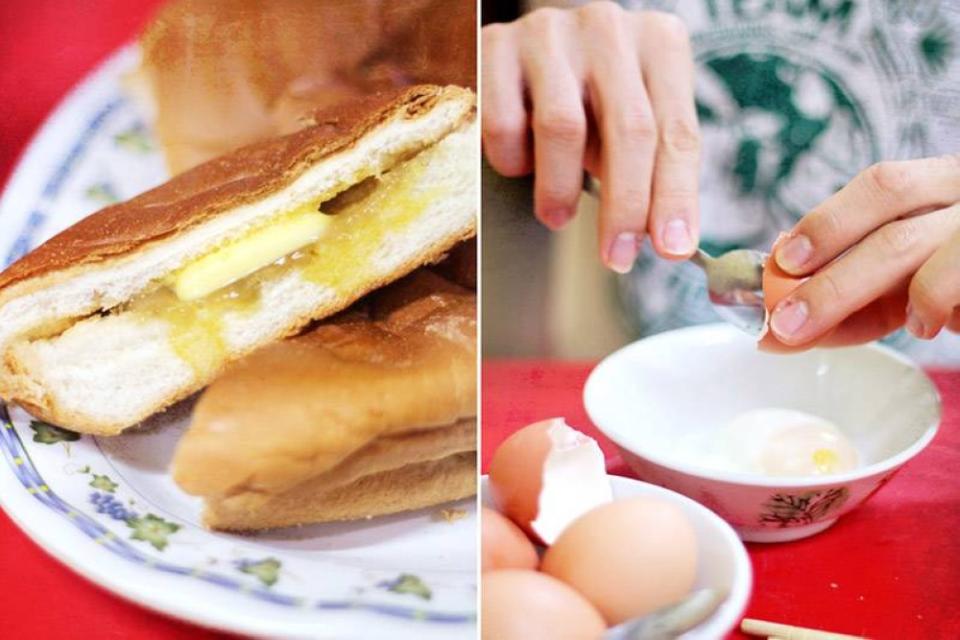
(779, 446)
(775, 442)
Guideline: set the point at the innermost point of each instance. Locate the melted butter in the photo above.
(361, 218)
(196, 328)
(236, 260)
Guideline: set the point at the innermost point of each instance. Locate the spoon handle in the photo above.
(671, 621)
(702, 259)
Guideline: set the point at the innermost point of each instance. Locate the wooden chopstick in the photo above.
(777, 631)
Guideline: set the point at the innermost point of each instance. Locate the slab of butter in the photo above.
(239, 259)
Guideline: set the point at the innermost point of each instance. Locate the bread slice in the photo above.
(307, 421)
(89, 342)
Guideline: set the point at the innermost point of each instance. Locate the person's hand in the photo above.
(884, 251)
(607, 90)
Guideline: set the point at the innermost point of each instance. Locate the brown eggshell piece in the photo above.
(516, 474)
(777, 285)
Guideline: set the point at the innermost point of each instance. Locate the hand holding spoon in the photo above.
(734, 280)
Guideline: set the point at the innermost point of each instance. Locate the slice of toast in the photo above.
(302, 430)
(93, 339)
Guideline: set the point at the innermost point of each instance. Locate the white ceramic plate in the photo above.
(723, 561)
(107, 506)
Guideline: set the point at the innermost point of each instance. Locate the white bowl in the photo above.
(651, 396)
(722, 561)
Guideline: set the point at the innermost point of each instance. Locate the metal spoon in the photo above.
(669, 622)
(734, 280)
(735, 286)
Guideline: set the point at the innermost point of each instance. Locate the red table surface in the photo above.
(46, 46)
(888, 570)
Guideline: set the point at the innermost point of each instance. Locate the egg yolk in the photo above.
(808, 450)
(826, 460)
(780, 442)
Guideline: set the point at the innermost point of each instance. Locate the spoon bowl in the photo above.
(735, 287)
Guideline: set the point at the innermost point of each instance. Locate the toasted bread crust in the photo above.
(237, 178)
(411, 487)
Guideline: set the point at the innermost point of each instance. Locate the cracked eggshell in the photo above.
(777, 285)
(503, 545)
(545, 476)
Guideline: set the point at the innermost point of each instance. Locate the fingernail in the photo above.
(556, 218)
(789, 317)
(794, 253)
(623, 251)
(676, 237)
(915, 324)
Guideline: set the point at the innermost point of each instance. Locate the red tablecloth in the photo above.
(888, 570)
(46, 46)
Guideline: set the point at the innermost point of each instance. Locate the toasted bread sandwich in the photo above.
(145, 302)
(369, 413)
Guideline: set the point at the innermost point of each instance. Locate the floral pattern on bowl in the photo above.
(787, 510)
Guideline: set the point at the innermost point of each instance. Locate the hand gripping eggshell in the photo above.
(628, 558)
(777, 285)
(503, 545)
(527, 605)
(545, 476)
